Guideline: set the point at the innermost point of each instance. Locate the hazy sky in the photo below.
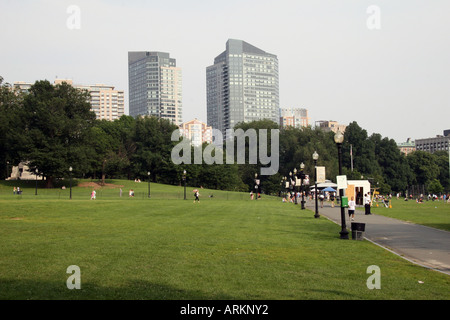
(386, 68)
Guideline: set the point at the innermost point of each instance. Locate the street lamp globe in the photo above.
(338, 137)
(302, 166)
(315, 156)
(70, 169)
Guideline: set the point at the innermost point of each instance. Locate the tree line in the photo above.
(53, 128)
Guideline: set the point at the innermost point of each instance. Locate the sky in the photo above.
(384, 64)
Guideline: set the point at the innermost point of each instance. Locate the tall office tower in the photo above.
(242, 86)
(155, 86)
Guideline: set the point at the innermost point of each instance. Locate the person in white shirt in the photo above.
(351, 208)
(367, 203)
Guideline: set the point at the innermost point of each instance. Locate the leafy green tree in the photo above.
(11, 136)
(113, 147)
(424, 167)
(442, 160)
(363, 151)
(435, 187)
(393, 165)
(57, 123)
(152, 139)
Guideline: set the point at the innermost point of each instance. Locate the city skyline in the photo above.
(392, 80)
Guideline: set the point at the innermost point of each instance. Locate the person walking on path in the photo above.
(351, 208)
(367, 204)
(332, 198)
(321, 198)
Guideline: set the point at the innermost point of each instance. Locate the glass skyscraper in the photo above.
(155, 86)
(242, 86)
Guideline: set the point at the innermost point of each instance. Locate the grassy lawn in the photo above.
(434, 214)
(225, 247)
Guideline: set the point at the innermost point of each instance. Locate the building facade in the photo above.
(106, 102)
(242, 86)
(197, 131)
(333, 126)
(155, 86)
(431, 145)
(294, 117)
(407, 147)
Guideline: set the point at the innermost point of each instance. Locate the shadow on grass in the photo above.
(132, 290)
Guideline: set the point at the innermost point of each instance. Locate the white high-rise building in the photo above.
(155, 86)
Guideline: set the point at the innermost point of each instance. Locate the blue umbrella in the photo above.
(329, 189)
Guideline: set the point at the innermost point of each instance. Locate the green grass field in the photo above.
(434, 214)
(166, 248)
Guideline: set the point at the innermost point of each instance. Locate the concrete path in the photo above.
(422, 245)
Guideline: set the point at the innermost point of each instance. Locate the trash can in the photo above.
(358, 229)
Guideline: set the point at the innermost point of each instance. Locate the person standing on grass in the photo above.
(196, 194)
(351, 208)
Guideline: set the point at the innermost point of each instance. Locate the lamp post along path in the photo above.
(315, 158)
(70, 170)
(184, 180)
(339, 139)
(148, 184)
(302, 177)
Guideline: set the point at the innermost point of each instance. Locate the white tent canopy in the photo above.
(324, 185)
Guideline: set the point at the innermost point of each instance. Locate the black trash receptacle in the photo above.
(358, 229)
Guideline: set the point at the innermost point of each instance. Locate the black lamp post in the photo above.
(295, 185)
(339, 139)
(291, 185)
(315, 158)
(148, 184)
(70, 170)
(35, 193)
(302, 177)
(184, 180)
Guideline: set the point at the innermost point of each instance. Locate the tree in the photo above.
(424, 167)
(11, 137)
(363, 150)
(435, 187)
(58, 122)
(153, 145)
(113, 146)
(392, 163)
(442, 161)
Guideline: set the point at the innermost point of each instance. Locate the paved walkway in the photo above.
(422, 245)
